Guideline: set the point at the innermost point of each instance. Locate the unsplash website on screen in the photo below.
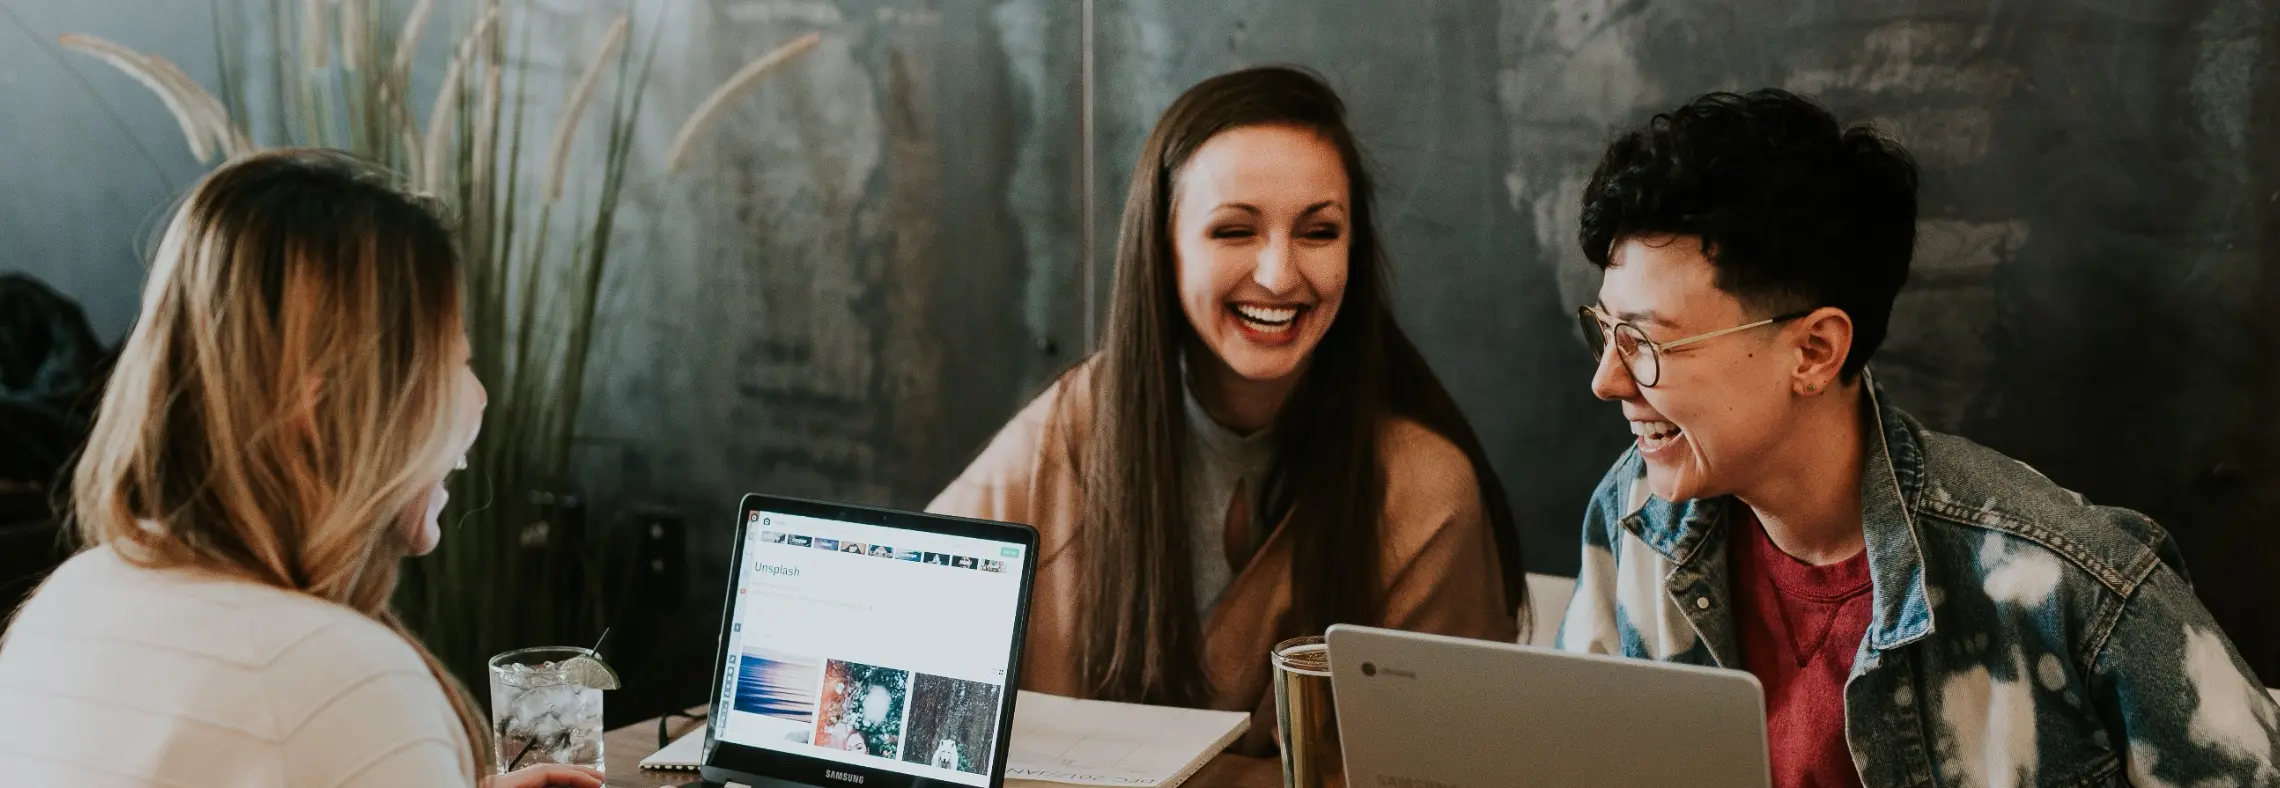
(871, 646)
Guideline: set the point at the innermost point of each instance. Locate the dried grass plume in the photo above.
(745, 80)
(408, 41)
(135, 65)
(352, 19)
(445, 114)
(566, 130)
(231, 140)
(316, 35)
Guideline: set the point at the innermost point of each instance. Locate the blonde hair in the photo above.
(287, 398)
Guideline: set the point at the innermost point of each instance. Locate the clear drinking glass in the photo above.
(1306, 714)
(543, 711)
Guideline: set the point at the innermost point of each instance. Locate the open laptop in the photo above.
(868, 647)
(1425, 710)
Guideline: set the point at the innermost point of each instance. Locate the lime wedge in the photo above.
(590, 672)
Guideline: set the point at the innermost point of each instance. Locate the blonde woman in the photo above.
(274, 440)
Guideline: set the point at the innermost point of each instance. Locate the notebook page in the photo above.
(1082, 742)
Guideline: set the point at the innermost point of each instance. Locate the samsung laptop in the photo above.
(1439, 712)
(868, 647)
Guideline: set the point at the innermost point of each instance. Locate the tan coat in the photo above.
(1440, 571)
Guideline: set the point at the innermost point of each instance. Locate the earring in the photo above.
(1813, 388)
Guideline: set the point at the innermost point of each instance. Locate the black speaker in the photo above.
(660, 556)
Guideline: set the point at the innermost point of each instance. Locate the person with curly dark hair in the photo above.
(1917, 607)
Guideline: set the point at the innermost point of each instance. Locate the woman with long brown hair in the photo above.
(273, 440)
(1256, 451)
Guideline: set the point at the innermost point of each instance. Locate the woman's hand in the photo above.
(549, 775)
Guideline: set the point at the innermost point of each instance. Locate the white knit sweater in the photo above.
(115, 675)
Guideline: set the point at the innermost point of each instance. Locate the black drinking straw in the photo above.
(527, 746)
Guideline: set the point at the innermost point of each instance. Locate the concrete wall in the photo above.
(871, 265)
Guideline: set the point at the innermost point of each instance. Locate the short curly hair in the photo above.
(1794, 210)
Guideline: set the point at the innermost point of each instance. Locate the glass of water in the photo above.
(546, 706)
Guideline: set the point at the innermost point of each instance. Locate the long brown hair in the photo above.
(1143, 641)
(286, 400)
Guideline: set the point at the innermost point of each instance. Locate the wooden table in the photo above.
(628, 745)
(625, 747)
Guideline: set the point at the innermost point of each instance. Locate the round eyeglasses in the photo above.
(1642, 357)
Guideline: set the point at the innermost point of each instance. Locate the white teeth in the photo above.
(1655, 435)
(1648, 429)
(1271, 316)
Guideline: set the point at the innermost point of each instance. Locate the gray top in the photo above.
(1218, 462)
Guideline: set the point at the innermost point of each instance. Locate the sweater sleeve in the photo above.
(1443, 575)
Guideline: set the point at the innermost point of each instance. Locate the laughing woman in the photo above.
(1256, 451)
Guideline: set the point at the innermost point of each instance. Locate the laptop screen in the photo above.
(870, 645)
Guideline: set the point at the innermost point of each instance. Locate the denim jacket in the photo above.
(2020, 636)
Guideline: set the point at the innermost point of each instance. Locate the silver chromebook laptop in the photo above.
(1437, 712)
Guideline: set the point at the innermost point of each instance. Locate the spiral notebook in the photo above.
(1061, 741)
(685, 754)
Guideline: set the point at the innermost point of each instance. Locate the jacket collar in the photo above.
(1892, 478)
